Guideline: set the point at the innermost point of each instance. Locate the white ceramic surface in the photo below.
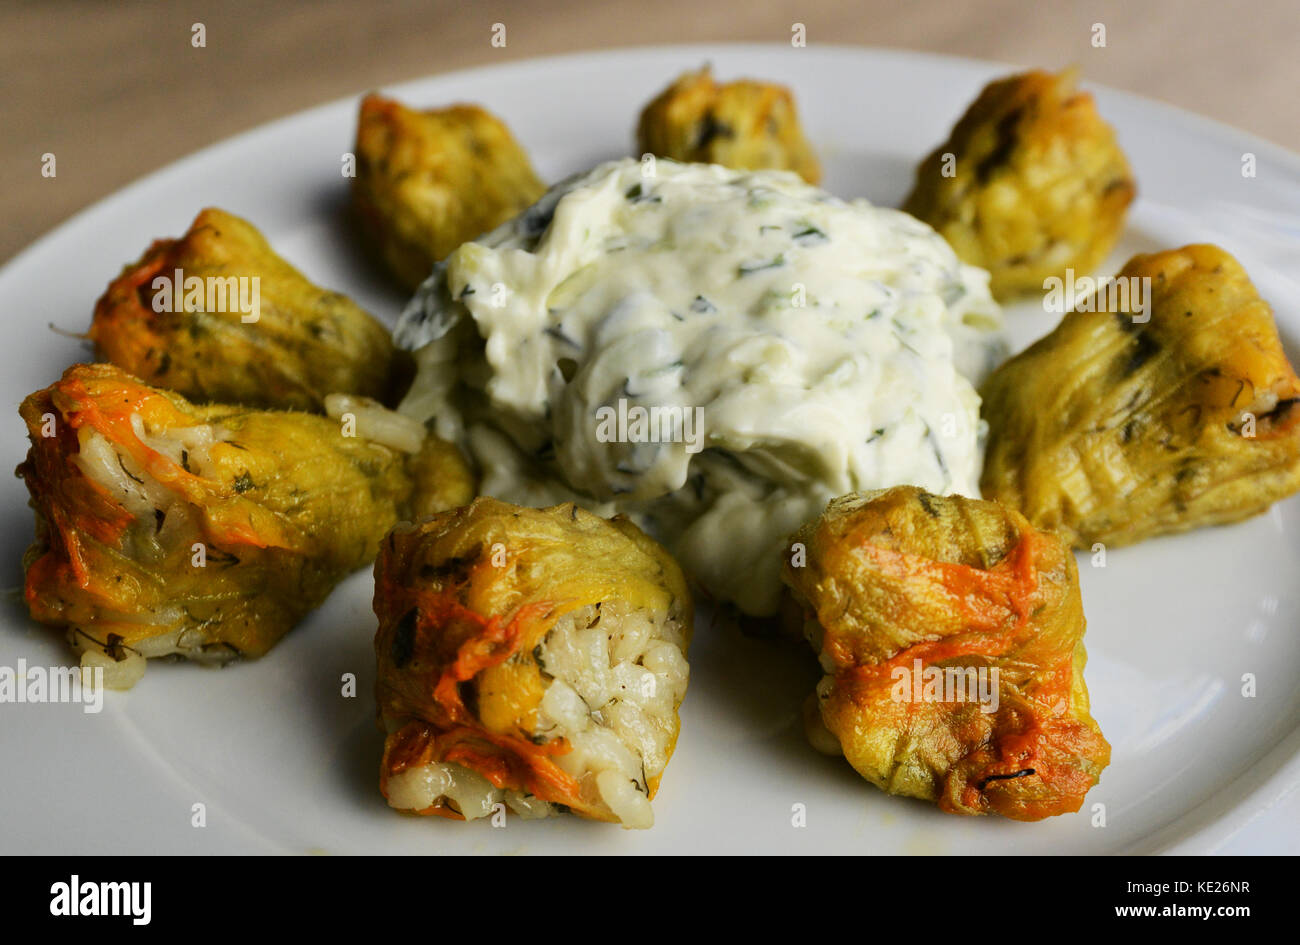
(283, 762)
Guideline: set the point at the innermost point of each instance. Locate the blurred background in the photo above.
(116, 89)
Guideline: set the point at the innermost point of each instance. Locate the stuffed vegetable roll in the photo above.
(1156, 409)
(950, 632)
(219, 317)
(531, 658)
(164, 528)
(428, 181)
(1030, 183)
(746, 125)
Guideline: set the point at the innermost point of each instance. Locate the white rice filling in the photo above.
(618, 676)
(143, 497)
(126, 481)
(372, 421)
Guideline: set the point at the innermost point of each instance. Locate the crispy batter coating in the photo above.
(428, 181)
(163, 527)
(306, 342)
(469, 604)
(900, 585)
(1039, 183)
(745, 124)
(1113, 429)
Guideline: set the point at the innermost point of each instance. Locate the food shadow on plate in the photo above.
(344, 263)
(335, 641)
(744, 710)
(749, 680)
(883, 179)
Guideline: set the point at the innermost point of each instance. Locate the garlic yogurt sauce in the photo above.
(783, 346)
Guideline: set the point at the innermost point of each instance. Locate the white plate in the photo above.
(282, 762)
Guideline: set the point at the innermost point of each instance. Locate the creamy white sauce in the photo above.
(819, 339)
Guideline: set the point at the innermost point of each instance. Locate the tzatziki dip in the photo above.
(715, 353)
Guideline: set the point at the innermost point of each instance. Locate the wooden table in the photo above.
(115, 90)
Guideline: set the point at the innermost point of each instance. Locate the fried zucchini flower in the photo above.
(951, 635)
(535, 658)
(744, 125)
(428, 181)
(1161, 403)
(1031, 182)
(218, 317)
(164, 528)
